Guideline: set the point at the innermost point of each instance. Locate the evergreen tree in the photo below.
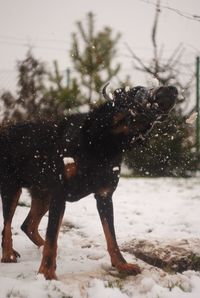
(40, 94)
(168, 151)
(30, 88)
(63, 94)
(93, 58)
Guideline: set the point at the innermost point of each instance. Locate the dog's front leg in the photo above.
(105, 209)
(56, 211)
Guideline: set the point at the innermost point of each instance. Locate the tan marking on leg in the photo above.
(30, 226)
(117, 259)
(112, 245)
(105, 192)
(9, 255)
(48, 264)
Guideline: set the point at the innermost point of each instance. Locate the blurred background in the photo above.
(55, 56)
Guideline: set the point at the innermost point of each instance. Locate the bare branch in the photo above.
(154, 31)
(136, 58)
(174, 54)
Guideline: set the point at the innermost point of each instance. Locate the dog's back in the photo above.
(27, 148)
(22, 143)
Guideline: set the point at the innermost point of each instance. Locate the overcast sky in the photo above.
(47, 26)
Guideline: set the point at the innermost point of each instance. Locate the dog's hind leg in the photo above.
(30, 226)
(10, 196)
(105, 209)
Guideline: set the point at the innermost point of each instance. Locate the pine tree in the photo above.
(63, 94)
(40, 94)
(92, 56)
(30, 88)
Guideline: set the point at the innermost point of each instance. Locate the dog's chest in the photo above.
(84, 178)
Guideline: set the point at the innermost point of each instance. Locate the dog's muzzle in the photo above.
(165, 97)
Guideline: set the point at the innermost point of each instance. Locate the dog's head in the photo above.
(137, 109)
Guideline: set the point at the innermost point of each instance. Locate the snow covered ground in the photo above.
(144, 208)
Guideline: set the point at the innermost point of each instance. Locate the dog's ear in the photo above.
(139, 95)
(119, 94)
(129, 97)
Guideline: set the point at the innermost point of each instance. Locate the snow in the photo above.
(192, 118)
(127, 88)
(162, 208)
(68, 160)
(115, 169)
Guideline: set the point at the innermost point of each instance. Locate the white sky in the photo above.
(47, 25)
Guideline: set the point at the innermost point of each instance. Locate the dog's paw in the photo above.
(126, 268)
(48, 273)
(10, 257)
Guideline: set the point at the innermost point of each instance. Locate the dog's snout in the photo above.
(172, 91)
(166, 97)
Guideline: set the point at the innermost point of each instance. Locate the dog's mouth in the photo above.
(165, 98)
(139, 108)
(143, 100)
(153, 104)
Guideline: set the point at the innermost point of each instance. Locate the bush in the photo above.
(169, 150)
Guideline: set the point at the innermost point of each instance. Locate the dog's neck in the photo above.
(97, 135)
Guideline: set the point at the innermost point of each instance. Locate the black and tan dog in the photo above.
(32, 157)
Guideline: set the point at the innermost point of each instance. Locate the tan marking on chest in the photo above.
(70, 170)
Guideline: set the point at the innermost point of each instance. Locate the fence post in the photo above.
(197, 105)
(68, 77)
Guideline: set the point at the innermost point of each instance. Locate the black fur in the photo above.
(32, 157)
